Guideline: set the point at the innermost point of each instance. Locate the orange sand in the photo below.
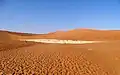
(47, 59)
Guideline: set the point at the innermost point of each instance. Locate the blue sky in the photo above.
(42, 16)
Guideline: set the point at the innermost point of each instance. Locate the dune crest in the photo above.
(76, 34)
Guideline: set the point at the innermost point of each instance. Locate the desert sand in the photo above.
(31, 58)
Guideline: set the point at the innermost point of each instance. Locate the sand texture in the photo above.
(30, 58)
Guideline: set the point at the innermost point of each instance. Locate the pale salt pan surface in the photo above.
(60, 41)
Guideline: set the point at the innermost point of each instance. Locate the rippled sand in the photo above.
(55, 59)
(30, 58)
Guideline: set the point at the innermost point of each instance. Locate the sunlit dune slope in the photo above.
(80, 34)
(88, 34)
(7, 36)
(10, 40)
(76, 34)
(21, 57)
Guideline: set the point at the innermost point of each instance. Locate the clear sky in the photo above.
(41, 16)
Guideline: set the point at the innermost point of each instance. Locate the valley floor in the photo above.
(60, 59)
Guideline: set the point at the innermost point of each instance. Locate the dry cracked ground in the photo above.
(28, 58)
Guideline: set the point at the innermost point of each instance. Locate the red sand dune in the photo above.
(47, 59)
(77, 34)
